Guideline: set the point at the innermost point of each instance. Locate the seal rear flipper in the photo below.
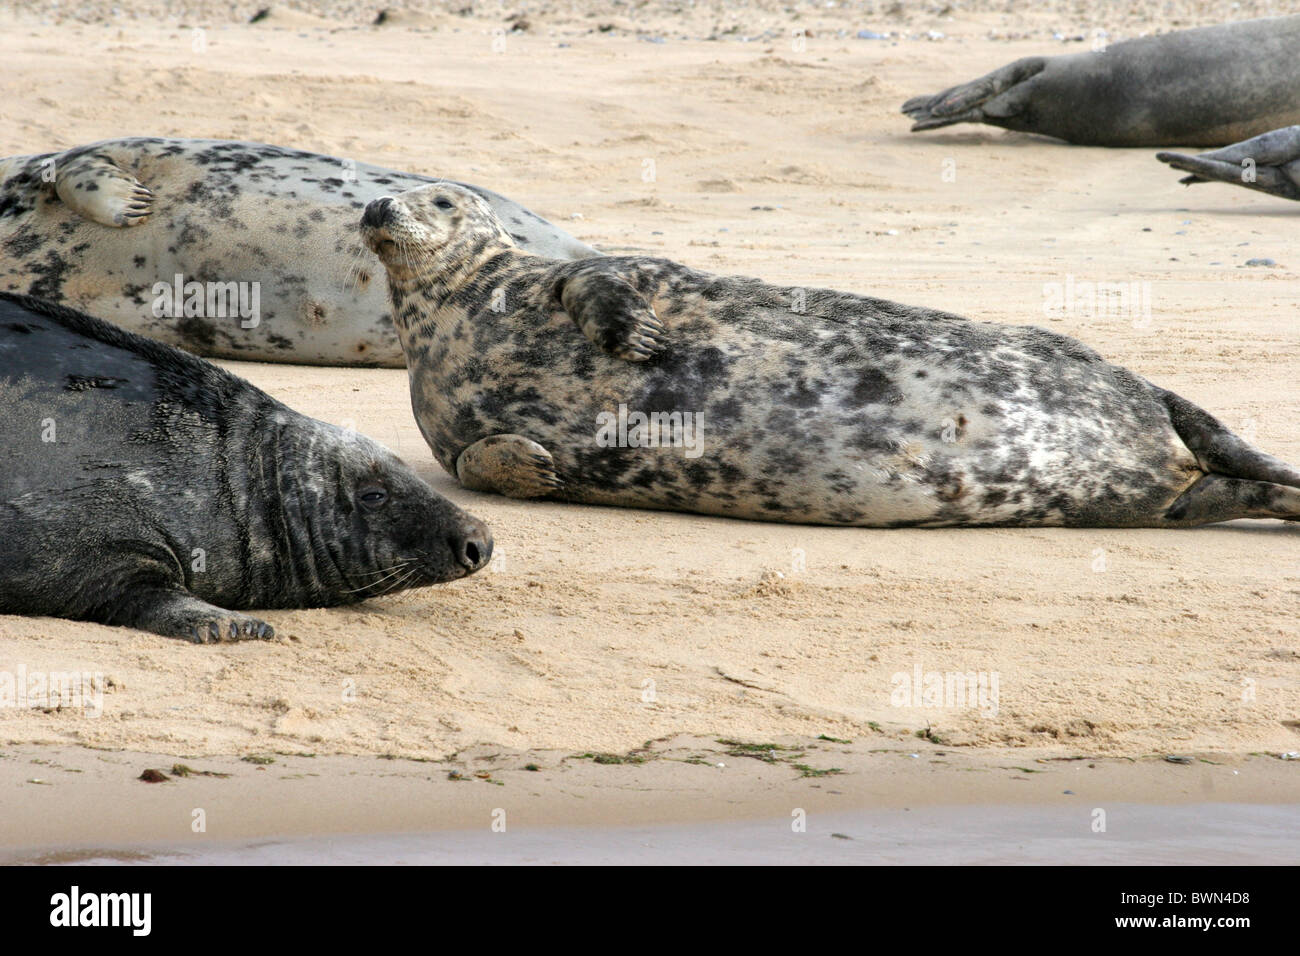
(1240, 481)
(978, 101)
(511, 465)
(95, 187)
(1269, 163)
(1220, 452)
(175, 613)
(612, 314)
(1220, 498)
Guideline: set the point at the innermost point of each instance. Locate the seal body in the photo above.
(1269, 163)
(226, 249)
(1208, 86)
(145, 487)
(642, 382)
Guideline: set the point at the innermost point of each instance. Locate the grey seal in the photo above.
(642, 382)
(1209, 86)
(113, 227)
(1269, 163)
(144, 487)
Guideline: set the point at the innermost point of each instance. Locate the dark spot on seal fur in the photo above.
(51, 274)
(80, 383)
(197, 332)
(874, 387)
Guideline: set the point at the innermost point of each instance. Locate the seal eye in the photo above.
(373, 497)
(442, 203)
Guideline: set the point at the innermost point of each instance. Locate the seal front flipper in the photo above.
(612, 314)
(511, 465)
(977, 101)
(172, 612)
(93, 186)
(1269, 163)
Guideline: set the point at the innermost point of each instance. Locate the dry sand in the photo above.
(761, 152)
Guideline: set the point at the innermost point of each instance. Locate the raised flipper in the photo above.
(992, 97)
(612, 313)
(1240, 481)
(511, 465)
(1219, 451)
(95, 187)
(173, 612)
(1269, 163)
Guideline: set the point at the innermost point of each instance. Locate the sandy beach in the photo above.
(765, 140)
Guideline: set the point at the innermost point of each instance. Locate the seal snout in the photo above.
(378, 213)
(471, 545)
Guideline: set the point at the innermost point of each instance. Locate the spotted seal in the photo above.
(1208, 86)
(1269, 163)
(109, 227)
(145, 487)
(642, 382)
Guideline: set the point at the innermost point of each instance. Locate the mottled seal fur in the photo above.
(1208, 86)
(142, 486)
(1269, 162)
(98, 226)
(807, 405)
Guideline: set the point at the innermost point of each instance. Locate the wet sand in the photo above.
(901, 800)
(1201, 834)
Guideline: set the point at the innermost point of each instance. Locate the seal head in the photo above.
(145, 487)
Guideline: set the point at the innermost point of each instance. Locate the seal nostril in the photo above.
(378, 212)
(472, 548)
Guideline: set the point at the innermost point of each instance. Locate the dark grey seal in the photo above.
(642, 382)
(1269, 162)
(1209, 87)
(142, 486)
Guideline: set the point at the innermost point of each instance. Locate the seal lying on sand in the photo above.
(145, 487)
(641, 382)
(1209, 86)
(1269, 162)
(266, 235)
